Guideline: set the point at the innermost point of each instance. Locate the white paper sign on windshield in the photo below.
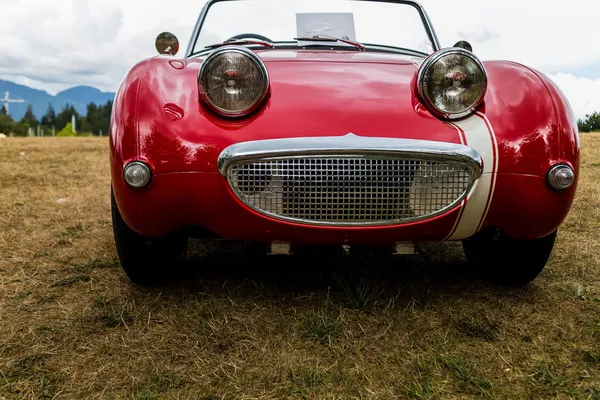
(340, 25)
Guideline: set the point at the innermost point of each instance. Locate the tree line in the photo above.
(96, 122)
(591, 123)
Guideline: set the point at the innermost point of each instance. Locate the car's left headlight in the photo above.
(233, 81)
(452, 83)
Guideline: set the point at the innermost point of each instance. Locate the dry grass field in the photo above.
(308, 327)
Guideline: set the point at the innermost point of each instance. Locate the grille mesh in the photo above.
(350, 190)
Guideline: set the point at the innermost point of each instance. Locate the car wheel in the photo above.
(502, 259)
(146, 260)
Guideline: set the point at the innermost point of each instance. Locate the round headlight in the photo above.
(452, 83)
(233, 81)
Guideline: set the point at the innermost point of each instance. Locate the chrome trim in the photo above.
(428, 25)
(348, 145)
(254, 58)
(424, 69)
(351, 146)
(554, 170)
(431, 34)
(144, 166)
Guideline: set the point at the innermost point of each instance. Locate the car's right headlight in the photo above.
(233, 81)
(452, 83)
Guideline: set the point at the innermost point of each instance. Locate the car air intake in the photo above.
(351, 189)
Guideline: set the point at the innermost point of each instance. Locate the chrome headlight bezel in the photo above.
(425, 69)
(137, 169)
(253, 58)
(561, 177)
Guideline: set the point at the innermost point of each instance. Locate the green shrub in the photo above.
(67, 131)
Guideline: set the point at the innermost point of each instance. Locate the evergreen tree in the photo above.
(3, 110)
(49, 119)
(64, 117)
(591, 123)
(29, 119)
(98, 118)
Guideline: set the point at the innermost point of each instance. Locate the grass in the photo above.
(363, 327)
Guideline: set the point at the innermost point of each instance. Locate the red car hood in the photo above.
(337, 56)
(313, 93)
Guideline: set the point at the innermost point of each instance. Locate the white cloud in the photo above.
(56, 44)
(583, 93)
(551, 35)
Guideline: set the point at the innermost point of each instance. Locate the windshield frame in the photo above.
(431, 34)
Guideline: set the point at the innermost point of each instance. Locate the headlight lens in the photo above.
(233, 81)
(452, 83)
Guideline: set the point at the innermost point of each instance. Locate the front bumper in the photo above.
(523, 206)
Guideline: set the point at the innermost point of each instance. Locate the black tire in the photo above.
(146, 260)
(504, 260)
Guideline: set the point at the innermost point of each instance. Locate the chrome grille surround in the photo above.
(350, 180)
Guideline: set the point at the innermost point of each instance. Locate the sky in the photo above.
(56, 44)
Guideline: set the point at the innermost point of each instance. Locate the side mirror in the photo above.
(463, 44)
(167, 43)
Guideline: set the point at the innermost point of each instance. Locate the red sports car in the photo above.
(338, 122)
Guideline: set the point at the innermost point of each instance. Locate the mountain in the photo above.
(85, 95)
(79, 97)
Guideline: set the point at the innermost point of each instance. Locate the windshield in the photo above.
(393, 25)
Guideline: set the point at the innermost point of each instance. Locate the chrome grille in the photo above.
(350, 190)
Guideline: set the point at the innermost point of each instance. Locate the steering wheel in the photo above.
(251, 36)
